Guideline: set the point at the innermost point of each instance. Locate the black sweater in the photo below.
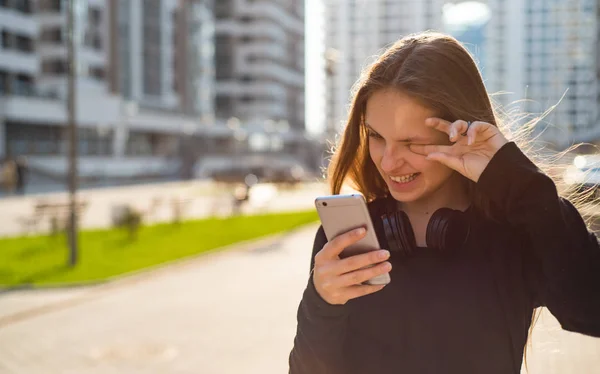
(469, 312)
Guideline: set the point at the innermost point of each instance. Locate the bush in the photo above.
(125, 216)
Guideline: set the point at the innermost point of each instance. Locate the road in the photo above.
(199, 199)
(231, 312)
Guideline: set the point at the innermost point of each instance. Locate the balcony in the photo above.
(17, 61)
(19, 22)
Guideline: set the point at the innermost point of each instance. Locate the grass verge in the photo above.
(106, 253)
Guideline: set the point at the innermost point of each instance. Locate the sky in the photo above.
(455, 14)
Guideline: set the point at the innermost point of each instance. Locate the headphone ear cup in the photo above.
(432, 231)
(405, 232)
(447, 229)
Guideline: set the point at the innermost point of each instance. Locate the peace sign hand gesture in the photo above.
(473, 146)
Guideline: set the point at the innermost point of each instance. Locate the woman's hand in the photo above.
(339, 280)
(470, 153)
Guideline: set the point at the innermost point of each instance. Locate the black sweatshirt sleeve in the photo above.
(321, 327)
(565, 251)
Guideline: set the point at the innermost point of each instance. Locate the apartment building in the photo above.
(260, 61)
(546, 52)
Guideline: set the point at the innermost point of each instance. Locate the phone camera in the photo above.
(324, 203)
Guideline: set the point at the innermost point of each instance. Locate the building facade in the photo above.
(133, 105)
(19, 63)
(546, 52)
(165, 88)
(260, 61)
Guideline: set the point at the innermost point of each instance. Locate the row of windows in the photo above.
(16, 42)
(16, 84)
(23, 6)
(60, 67)
(50, 5)
(32, 139)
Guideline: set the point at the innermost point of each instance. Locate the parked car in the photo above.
(583, 174)
(264, 174)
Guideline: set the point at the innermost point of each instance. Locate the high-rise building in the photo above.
(19, 64)
(358, 30)
(145, 80)
(260, 61)
(164, 54)
(546, 52)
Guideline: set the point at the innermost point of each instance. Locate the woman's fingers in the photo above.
(356, 262)
(457, 129)
(476, 128)
(333, 248)
(358, 277)
(425, 150)
(439, 124)
(450, 161)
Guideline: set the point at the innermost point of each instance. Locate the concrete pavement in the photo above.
(229, 312)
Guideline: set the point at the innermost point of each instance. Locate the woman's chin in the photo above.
(406, 197)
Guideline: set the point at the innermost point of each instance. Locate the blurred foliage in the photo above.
(107, 253)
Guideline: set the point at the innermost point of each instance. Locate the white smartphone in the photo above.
(343, 213)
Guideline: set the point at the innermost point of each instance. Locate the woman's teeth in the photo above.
(404, 178)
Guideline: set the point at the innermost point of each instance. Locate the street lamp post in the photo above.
(72, 179)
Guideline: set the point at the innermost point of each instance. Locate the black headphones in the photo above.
(447, 229)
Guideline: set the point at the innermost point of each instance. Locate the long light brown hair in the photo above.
(432, 68)
(439, 72)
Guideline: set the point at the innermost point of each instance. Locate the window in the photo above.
(51, 35)
(152, 51)
(3, 82)
(223, 106)
(23, 6)
(50, 5)
(54, 67)
(6, 40)
(22, 85)
(223, 9)
(96, 72)
(95, 16)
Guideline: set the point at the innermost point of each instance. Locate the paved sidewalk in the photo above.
(199, 199)
(228, 312)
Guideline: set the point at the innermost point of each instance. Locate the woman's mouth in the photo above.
(403, 182)
(404, 178)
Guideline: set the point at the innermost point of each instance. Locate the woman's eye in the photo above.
(374, 135)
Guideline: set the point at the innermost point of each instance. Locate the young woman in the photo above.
(422, 136)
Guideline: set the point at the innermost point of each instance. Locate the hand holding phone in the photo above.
(339, 280)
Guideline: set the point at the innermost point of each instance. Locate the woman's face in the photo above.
(394, 121)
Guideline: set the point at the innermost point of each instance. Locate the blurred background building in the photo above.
(171, 89)
(533, 53)
(356, 31)
(260, 60)
(546, 52)
(166, 89)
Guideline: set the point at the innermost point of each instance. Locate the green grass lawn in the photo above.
(106, 253)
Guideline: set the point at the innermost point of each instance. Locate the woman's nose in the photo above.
(393, 158)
